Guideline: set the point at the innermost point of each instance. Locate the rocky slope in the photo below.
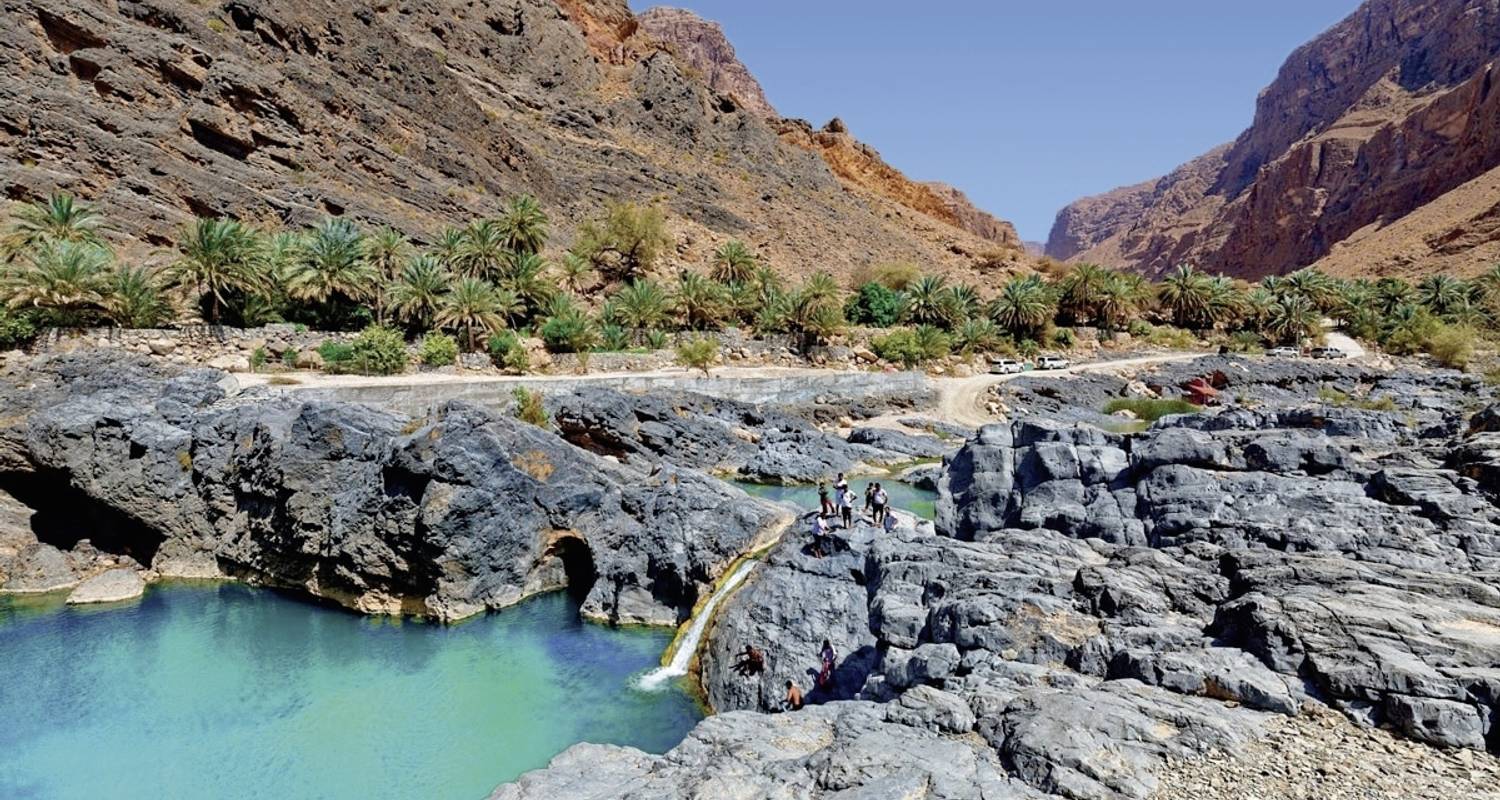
(419, 116)
(445, 516)
(703, 46)
(1093, 609)
(1386, 116)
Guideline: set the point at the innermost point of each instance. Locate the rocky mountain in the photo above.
(1373, 151)
(419, 115)
(703, 46)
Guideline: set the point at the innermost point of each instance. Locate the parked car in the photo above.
(1005, 366)
(1283, 352)
(1053, 362)
(1327, 352)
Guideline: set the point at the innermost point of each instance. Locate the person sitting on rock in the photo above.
(752, 662)
(889, 522)
(793, 696)
(825, 508)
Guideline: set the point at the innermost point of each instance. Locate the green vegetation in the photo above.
(438, 350)
(529, 408)
(1150, 409)
(378, 351)
(699, 353)
(476, 280)
(508, 353)
(1334, 397)
(258, 359)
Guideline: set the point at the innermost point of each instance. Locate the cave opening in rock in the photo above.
(578, 565)
(64, 516)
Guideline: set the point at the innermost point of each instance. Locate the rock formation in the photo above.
(1092, 607)
(419, 116)
(445, 516)
(1373, 152)
(701, 44)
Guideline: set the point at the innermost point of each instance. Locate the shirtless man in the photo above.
(793, 696)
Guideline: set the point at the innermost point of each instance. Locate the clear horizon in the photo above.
(1024, 109)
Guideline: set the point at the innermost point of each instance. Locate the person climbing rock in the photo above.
(752, 662)
(825, 507)
(819, 530)
(882, 500)
(793, 696)
(829, 660)
(846, 509)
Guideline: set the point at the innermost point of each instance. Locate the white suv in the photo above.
(1283, 352)
(1004, 366)
(1052, 362)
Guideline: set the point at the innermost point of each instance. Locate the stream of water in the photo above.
(904, 497)
(230, 692)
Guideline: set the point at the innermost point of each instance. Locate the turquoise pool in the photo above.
(227, 692)
(903, 496)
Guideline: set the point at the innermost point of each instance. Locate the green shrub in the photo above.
(258, 358)
(1139, 328)
(1063, 337)
(529, 407)
(699, 353)
(1334, 397)
(613, 338)
(336, 355)
(1150, 409)
(656, 339)
(289, 358)
(508, 353)
(1028, 348)
(378, 351)
(874, 304)
(895, 275)
(17, 328)
(912, 347)
(1451, 346)
(1245, 342)
(438, 350)
(1171, 337)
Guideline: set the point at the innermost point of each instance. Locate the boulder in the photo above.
(112, 586)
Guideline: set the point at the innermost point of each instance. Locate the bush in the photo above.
(613, 338)
(1150, 409)
(1334, 397)
(529, 407)
(258, 359)
(17, 328)
(1063, 337)
(378, 351)
(438, 350)
(508, 353)
(289, 358)
(911, 348)
(1171, 337)
(874, 304)
(896, 275)
(1139, 328)
(656, 339)
(698, 353)
(1451, 346)
(336, 355)
(1244, 342)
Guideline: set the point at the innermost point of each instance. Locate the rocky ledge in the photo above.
(1092, 607)
(446, 515)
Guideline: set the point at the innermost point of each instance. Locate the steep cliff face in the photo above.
(1383, 114)
(419, 115)
(701, 44)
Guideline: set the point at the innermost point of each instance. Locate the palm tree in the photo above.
(977, 335)
(1293, 318)
(66, 277)
(963, 302)
(1115, 301)
(418, 291)
(576, 271)
(523, 225)
(217, 256)
(1081, 290)
(1441, 293)
(469, 305)
(1392, 293)
(1186, 294)
(1225, 302)
(1313, 284)
(1024, 306)
(525, 274)
(812, 316)
(483, 253)
(387, 250)
(924, 301)
(449, 247)
(332, 264)
(1489, 286)
(641, 305)
(821, 286)
(700, 301)
(733, 263)
(58, 218)
(1257, 307)
(135, 297)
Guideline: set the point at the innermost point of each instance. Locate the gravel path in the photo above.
(1321, 755)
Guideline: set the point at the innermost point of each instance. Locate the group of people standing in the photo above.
(841, 503)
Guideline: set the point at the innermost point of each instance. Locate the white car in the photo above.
(1053, 362)
(1005, 366)
(1327, 352)
(1283, 352)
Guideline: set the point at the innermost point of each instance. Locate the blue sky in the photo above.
(1026, 107)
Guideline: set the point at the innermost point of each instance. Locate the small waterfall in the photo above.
(654, 679)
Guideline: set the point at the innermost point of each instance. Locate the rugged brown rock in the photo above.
(418, 114)
(702, 45)
(1372, 152)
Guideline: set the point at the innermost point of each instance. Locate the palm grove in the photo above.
(488, 284)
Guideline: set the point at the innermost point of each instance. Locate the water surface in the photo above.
(905, 497)
(232, 692)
